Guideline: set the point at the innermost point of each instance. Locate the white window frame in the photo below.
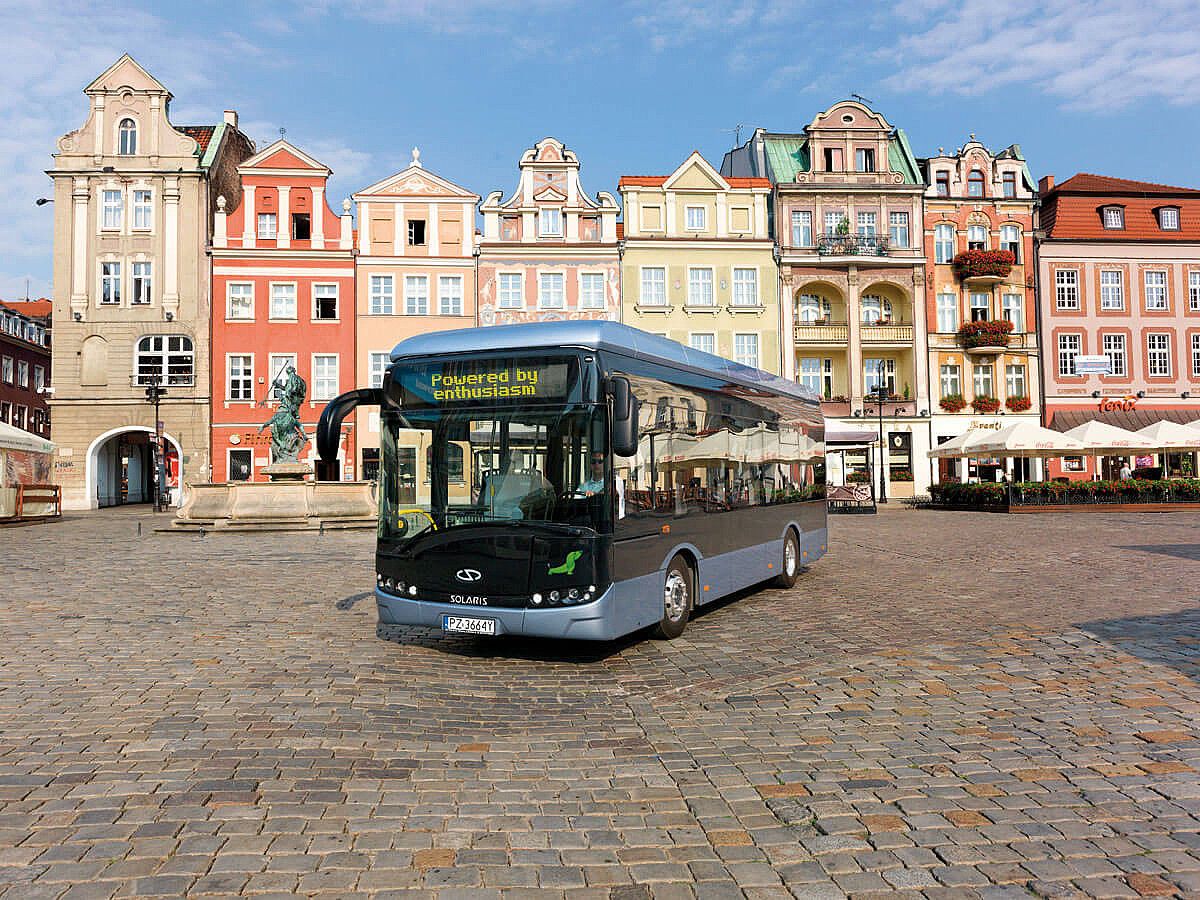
(141, 283)
(588, 299)
(899, 233)
(127, 147)
(1194, 290)
(646, 298)
(416, 303)
(813, 303)
(337, 300)
(710, 337)
(1196, 355)
(377, 365)
(1162, 302)
(1066, 289)
(945, 237)
(503, 302)
(230, 295)
(1009, 243)
(1068, 353)
(143, 210)
(451, 297)
(950, 379)
(983, 379)
(1153, 354)
(973, 304)
(1112, 296)
(1114, 346)
(113, 279)
(245, 378)
(866, 224)
(112, 209)
(329, 391)
(1113, 218)
(874, 308)
(277, 364)
(802, 222)
(381, 299)
(871, 373)
(550, 221)
(6, 370)
(701, 220)
(267, 218)
(977, 234)
(295, 302)
(742, 358)
(1016, 380)
(810, 376)
(23, 373)
(692, 300)
(1163, 213)
(561, 278)
(1012, 307)
(947, 312)
(751, 281)
(833, 218)
(39, 377)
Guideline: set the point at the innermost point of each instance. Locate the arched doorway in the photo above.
(121, 468)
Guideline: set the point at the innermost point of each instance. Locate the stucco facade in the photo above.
(549, 251)
(416, 273)
(698, 264)
(133, 204)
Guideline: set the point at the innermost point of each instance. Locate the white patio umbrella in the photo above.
(1164, 435)
(1026, 439)
(954, 447)
(13, 438)
(1102, 439)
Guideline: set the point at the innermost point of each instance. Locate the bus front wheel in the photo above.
(789, 571)
(677, 599)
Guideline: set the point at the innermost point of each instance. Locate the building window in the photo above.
(325, 376)
(551, 290)
(811, 307)
(977, 237)
(810, 374)
(1113, 217)
(112, 207)
(1168, 218)
(864, 159)
(277, 366)
(700, 287)
(1196, 355)
(951, 380)
(898, 229)
(143, 282)
(975, 183)
(143, 211)
(694, 218)
(510, 290)
(22, 373)
(416, 295)
(943, 243)
(875, 309)
(745, 287)
(325, 301)
(745, 349)
(1068, 349)
(1066, 289)
(416, 232)
(301, 227)
(591, 290)
(239, 301)
(39, 378)
(879, 373)
(550, 223)
(942, 180)
(1010, 240)
(1014, 381)
(169, 358)
(947, 313)
(1009, 181)
(383, 295)
(127, 138)
(801, 228)
(110, 283)
(705, 343)
(866, 224)
(1112, 289)
(1158, 355)
(1013, 307)
(1194, 291)
(981, 307)
(1156, 290)
(241, 464)
(378, 368)
(450, 295)
(833, 220)
(268, 226)
(1114, 349)
(981, 378)
(283, 301)
(833, 159)
(6, 369)
(654, 287)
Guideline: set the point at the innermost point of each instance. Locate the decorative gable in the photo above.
(696, 175)
(126, 72)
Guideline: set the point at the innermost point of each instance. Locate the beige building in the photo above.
(133, 200)
(415, 273)
(698, 263)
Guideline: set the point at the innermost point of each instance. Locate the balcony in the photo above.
(980, 268)
(985, 337)
(852, 245)
(886, 334)
(830, 333)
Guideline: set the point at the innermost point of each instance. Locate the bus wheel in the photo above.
(790, 570)
(677, 600)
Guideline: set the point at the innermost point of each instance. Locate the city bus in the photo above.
(584, 479)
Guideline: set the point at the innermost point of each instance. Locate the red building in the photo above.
(283, 295)
(25, 365)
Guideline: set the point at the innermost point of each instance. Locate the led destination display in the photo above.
(483, 381)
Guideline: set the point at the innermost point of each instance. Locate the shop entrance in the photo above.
(122, 464)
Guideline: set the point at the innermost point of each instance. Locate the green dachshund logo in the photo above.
(568, 565)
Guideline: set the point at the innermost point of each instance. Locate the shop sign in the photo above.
(1093, 364)
(975, 425)
(1143, 462)
(1114, 404)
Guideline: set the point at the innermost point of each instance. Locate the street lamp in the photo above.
(154, 394)
(881, 393)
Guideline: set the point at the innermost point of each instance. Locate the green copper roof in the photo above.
(786, 156)
(901, 158)
(214, 144)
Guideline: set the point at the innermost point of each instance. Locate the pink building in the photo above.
(1119, 278)
(549, 251)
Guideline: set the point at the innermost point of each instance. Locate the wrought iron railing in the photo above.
(852, 245)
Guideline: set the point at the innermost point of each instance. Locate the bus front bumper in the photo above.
(588, 622)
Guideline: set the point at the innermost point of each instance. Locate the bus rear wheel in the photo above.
(789, 571)
(677, 599)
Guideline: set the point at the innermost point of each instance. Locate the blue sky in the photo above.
(633, 86)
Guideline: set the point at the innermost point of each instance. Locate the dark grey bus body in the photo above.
(670, 499)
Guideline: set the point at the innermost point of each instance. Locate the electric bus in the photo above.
(584, 479)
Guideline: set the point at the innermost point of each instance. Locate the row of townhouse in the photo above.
(902, 290)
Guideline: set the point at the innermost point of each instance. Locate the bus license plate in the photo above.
(467, 625)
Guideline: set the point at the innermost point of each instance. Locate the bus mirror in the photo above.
(618, 389)
(624, 418)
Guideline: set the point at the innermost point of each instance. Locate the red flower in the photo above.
(983, 263)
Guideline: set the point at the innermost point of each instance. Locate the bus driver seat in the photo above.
(503, 491)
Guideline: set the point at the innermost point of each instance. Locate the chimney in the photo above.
(231, 118)
(1046, 184)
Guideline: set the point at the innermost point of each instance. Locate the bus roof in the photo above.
(596, 335)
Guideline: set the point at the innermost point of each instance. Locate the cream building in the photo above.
(698, 264)
(133, 200)
(415, 273)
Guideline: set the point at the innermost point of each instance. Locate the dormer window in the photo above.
(943, 183)
(127, 137)
(864, 159)
(1113, 216)
(1168, 218)
(550, 222)
(1009, 181)
(975, 183)
(833, 159)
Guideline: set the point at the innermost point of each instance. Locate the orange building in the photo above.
(283, 295)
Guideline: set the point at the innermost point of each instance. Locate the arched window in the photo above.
(454, 463)
(975, 183)
(167, 358)
(875, 309)
(977, 237)
(127, 137)
(812, 307)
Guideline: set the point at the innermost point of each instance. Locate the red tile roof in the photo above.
(660, 180)
(620, 230)
(32, 308)
(201, 133)
(1078, 217)
(749, 182)
(1103, 184)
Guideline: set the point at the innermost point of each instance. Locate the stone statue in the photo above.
(287, 433)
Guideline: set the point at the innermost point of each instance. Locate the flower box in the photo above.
(983, 404)
(986, 333)
(983, 264)
(953, 403)
(1018, 404)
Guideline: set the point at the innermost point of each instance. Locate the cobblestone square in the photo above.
(947, 705)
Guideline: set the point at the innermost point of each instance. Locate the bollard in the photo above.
(201, 532)
(322, 531)
(139, 534)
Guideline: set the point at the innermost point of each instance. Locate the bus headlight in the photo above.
(554, 596)
(412, 590)
(573, 595)
(536, 599)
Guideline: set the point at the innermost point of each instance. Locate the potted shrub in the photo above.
(1018, 404)
(982, 404)
(953, 403)
(986, 333)
(983, 263)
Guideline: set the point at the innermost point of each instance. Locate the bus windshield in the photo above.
(449, 468)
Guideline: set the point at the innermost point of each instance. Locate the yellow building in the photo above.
(698, 263)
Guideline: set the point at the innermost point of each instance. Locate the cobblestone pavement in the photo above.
(949, 704)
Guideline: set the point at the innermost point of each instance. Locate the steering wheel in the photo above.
(403, 524)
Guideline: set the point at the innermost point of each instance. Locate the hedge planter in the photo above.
(1159, 494)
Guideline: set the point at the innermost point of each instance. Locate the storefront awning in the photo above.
(1129, 419)
(13, 438)
(849, 434)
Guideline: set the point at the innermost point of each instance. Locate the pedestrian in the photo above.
(1126, 472)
